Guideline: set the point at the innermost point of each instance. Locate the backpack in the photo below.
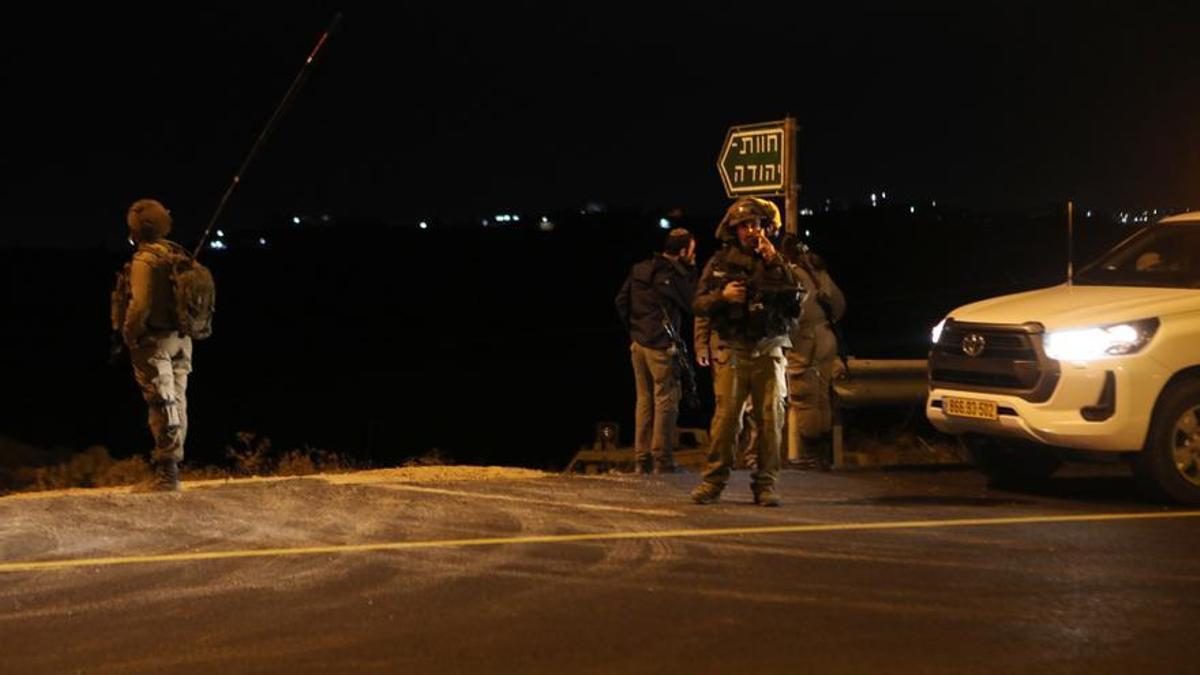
(192, 286)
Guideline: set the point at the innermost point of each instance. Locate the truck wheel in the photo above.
(1010, 462)
(1168, 468)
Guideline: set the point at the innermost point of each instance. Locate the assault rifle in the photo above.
(683, 359)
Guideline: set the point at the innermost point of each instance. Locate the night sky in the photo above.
(448, 113)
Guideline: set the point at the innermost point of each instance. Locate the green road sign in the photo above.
(753, 158)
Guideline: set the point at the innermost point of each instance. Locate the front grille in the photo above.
(998, 345)
(1010, 360)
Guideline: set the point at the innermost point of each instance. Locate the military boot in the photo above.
(165, 478)
(665, 466)
(766, 496)
(643, 466)
(707, 493)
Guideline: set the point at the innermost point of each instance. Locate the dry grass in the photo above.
(26, 468)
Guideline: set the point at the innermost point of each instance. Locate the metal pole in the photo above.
(795, 441)
(262, 137)
(1070, 242)
(791, 202)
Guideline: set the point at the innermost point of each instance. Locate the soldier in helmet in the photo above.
(143, 314)
(812, 362)
(752, 299)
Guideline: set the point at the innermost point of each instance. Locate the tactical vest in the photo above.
(773, 300)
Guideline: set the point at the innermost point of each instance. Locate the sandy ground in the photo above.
(418, 474)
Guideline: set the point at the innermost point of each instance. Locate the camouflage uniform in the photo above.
(161, 356)
(756, 332)
(812, 361)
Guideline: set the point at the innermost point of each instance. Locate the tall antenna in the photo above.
(262, 137)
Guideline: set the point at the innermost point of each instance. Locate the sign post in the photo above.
(760, 159)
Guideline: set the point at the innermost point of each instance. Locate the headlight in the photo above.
(1085, 344)
(936, 333)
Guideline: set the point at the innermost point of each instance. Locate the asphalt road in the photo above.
(873, 571)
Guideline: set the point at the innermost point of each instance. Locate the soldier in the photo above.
(812, 362)
(751, 297)
(161, 356)
(657, 290)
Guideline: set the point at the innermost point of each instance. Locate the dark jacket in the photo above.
(652, 287)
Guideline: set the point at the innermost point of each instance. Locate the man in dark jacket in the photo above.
(752, 299)
(656, 294)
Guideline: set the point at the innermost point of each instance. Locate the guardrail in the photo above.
(871, 382)
(874, 382)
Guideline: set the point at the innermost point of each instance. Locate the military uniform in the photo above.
(756, 332)
(709, 344)
(812, 361)
(161, 356)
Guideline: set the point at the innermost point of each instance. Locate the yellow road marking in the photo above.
(530, 500)
(33, 566)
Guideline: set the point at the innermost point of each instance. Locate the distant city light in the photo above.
(912, 209)
(262, 241)
(423, 225)
(808, 233)
(873, 198)
(664, 223)
(220, 233)
(296, 219)
(217, 245)
(485, 222)
(934, 203)
(1089, 214)
(545, 225)
(883, 195)
(545, 219)
(507, 218)
(806, 212)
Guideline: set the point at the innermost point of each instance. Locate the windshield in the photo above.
(1161, 255)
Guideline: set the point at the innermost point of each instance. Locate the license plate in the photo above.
(970, 407)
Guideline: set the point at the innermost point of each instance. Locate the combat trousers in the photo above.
(657, 411)
(746, 454)
(161, 365)
(760, 377)
(810, 370)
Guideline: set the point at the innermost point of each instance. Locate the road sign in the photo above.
(753, 159)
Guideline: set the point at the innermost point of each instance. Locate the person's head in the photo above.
(680, 244)
(148, 220)
(791, 248)
(746, 218)
(795, 251)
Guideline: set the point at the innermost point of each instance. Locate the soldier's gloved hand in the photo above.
(734, 291)
(116, 345)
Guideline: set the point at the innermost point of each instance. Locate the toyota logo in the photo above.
(973, 344)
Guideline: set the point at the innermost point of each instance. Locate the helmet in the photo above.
(749, 208)
(148, 220)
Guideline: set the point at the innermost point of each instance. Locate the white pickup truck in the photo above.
(1108, 364)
